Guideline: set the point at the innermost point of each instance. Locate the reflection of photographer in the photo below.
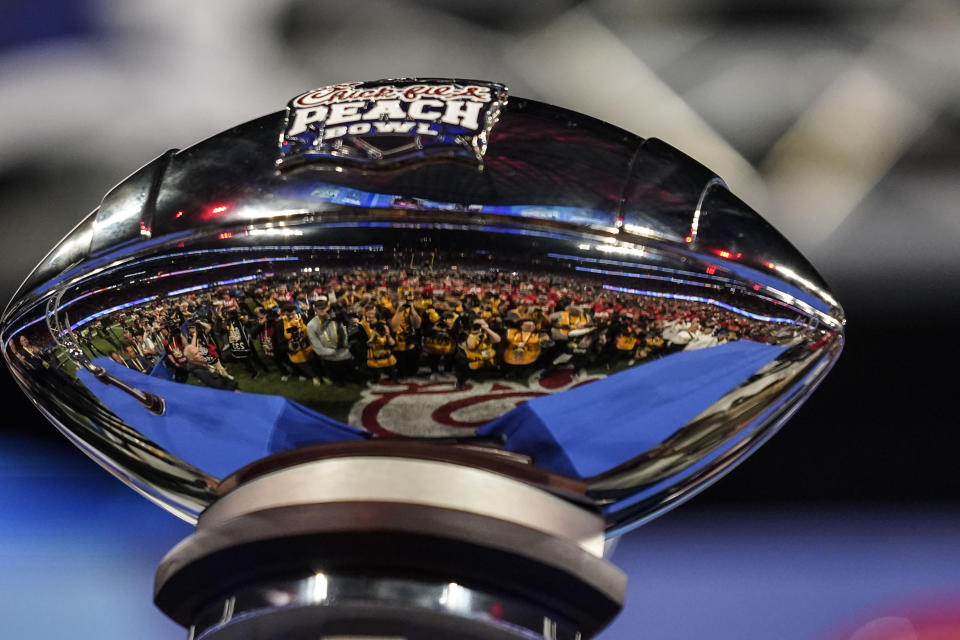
(571, 331)
(269, 329)
(380, 343)
(173, 344)
(476, 352)
(296, 340)
(299, 351)
(405, 325)
(86, 343)
(198, 335)
(237, 328)
(196, 364)
(100, 331)
(327, 332)
(523, 348)
(439, 340)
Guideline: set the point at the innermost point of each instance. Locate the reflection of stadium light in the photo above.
(642, 231)
(646, 276)
(455, 597)
(319, 586)
(716, 303)
(723, 253)
(695, 223)
(317, 247)
(218, 266)
(447, 226)
(630, 251)
(634, 265)
(635, 228)
(257, 212)
(215, 211)
(176, 292)
(274, 232)
(220, 283)
(111, 310)
(61, 308)
(790, 274)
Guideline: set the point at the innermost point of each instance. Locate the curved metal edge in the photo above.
(146, 179)
(381, 604)
(625, 520)
(382, 538)
(186, 513)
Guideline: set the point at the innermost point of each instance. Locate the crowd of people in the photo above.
(340, 328)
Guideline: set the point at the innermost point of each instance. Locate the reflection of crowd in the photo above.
(30, 355)
(336, 328)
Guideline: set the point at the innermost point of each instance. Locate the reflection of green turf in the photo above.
(328, 399)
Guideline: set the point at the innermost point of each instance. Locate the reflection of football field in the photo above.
(413, 407)
(328, 399)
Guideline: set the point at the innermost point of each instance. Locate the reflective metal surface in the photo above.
(391, 532)
(336, 601)
(581, 299)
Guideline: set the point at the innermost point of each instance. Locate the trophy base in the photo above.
(388, 547)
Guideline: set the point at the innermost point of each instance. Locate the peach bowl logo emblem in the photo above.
(423, 408)
(390, 122)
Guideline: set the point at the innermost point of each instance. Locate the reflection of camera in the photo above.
(296, 341)
(339, 313)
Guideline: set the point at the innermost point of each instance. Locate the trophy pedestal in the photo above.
(374, 545)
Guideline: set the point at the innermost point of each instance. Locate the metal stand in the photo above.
(389, 546)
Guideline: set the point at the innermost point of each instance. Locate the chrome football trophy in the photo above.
(411, 352)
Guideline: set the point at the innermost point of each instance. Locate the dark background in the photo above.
(839, 121)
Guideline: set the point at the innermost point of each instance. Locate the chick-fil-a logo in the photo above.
(349, 92)
(388, 122)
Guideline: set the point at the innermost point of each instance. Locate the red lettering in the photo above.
(344, 92)
(473, 91)
(411, 93)
(326, 94)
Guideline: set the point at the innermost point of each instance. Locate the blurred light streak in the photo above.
(848, 140)
(578, 63)
(711, 301)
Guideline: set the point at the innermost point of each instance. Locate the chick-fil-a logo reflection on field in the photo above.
(388, 122)
(439, 409)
